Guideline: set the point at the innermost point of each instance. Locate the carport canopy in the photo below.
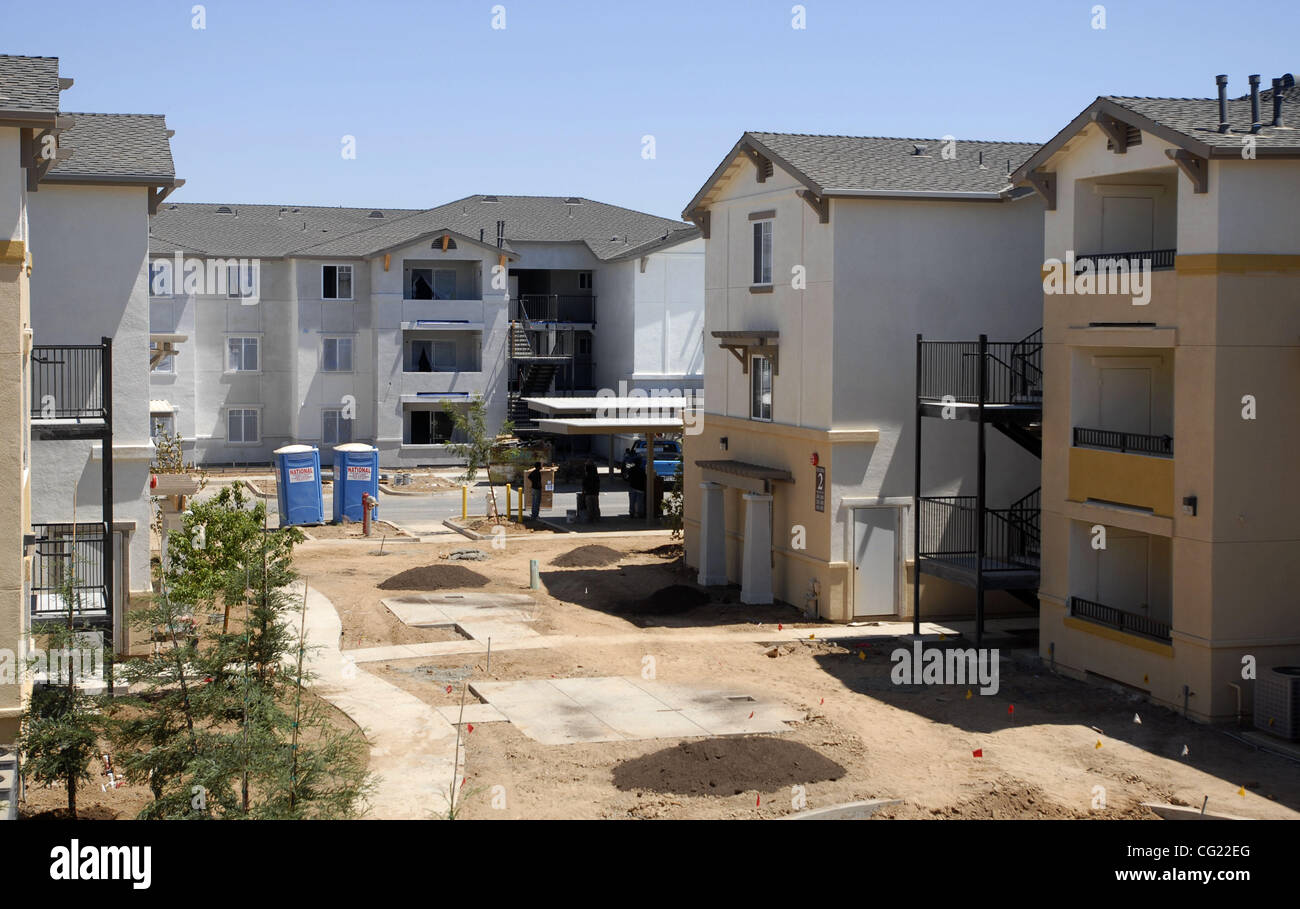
(649, 428)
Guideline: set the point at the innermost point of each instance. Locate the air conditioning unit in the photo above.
(1277, 702)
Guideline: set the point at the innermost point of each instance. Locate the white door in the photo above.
(875, 560)
(1126, 400)
(1127, 224)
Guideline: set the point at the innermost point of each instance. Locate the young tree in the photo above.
(477, 446)
(219, 724)
(59, 730)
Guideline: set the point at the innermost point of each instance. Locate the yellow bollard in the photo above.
(521, 504)
(464, 503)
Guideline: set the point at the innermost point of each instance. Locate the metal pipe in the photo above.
(1222, 81)
(1277, 102)
(1254, 103)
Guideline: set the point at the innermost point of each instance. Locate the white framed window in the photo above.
(336, 429)
(242, 355)
(763, 252)
(241, 281)
(166, 365)
(161, 424)
(760, 388)
(242, 426)
(432, 356)
(584, 280)
(336, 355)
(336, 282)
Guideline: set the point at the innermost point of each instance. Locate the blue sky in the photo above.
(442, 105)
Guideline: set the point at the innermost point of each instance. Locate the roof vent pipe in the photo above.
(1254, 103)
(1277, 102)
(1222, 81)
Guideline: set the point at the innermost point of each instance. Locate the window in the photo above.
(584, 280)
(430, 283)
(337, 355)
(336, 282)
(762, 252)
(336, 429)
(161, 424)
(430, 427)
(760, 388)
(433, 356)
(165, 365)
(241, 426)
(241, 280)
(241, 355)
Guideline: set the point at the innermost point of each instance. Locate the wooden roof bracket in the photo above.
(761, 163)
(1116, 131)
(700, 218)
(1196, 168)
(1044, 183)
(819, 204)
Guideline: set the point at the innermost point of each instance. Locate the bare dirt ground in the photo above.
(353, 531)
(425, 482)
(863, 736)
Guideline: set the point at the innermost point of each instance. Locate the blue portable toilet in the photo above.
(298, 493)
(356, 472)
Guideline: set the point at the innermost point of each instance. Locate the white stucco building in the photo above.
(372, 324)
(825, 257)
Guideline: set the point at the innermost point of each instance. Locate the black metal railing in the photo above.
(67, 382)
(68, 572)
(1128, 622)
(1141, 443)
(1157, 259)
(948, 530)
(556, 307)
(1013, 370)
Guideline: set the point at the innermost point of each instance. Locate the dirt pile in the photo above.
(592, 555)
(434, 577)
(726, 766)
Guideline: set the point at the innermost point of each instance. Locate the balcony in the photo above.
(1139, 443)
(1120, 620)
(1111, 476)
(1153, 259)
(68, 575)
(70, 396)
(571, 308)
(948, 540)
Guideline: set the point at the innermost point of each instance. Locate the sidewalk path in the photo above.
(412, 746)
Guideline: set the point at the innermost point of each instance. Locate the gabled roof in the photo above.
(882, 166)
(1190, 123)
(115, 148)
(668, 239)
(29, 86)
(269, 231)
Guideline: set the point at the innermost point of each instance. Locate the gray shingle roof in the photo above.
(1198, 118)
(256, 231)
(874, 163)
(270, 231)
(116, 146)
(29, 84)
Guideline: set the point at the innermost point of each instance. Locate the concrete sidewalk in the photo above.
(412, 747)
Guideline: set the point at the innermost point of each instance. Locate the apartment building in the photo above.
(825, 257)
(29, 105)
(375, 324)
(1169, 540)
(77, 190)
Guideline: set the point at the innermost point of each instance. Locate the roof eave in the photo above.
(746, 141)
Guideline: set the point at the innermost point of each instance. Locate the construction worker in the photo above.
(535, 480)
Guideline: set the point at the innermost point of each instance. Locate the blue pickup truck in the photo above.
(668, 454)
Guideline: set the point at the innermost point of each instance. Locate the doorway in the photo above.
(875, 560)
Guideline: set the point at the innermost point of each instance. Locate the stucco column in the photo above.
(756, 564)
(713, 535)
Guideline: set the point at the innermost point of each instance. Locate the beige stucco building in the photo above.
(825, 256)
(1171, 422)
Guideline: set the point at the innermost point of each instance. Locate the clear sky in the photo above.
(443, 105)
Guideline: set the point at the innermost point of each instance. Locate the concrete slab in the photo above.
(495, 630)
(1185, 813)
(474, 713)
(850, 811)
(564, 711)
(427, 611)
